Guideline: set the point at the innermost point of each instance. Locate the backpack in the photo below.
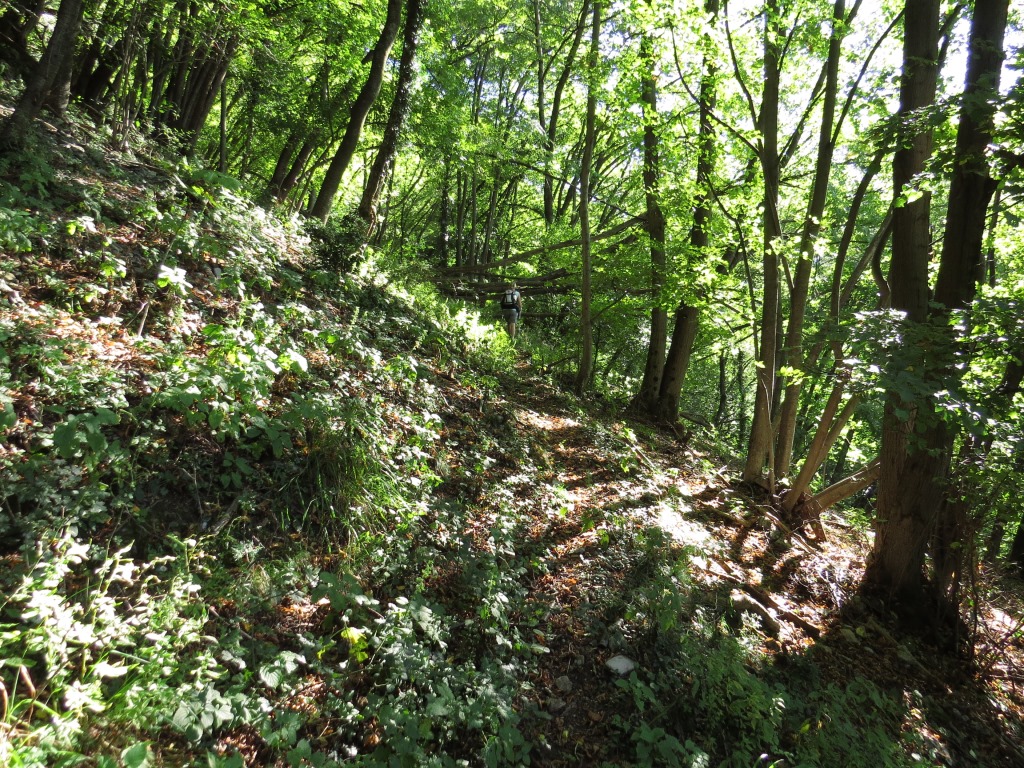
(510, 300)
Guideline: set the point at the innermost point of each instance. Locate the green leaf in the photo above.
(95, 439)
(183, 718)
(272, 676)
(137, 756)
(65, 438)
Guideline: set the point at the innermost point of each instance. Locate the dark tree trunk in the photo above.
(913, 487)
(907, 496)
(687, 318)
(49, 77)
(367, 209)
(360, 108)
(1016, 556)
(583, 375)
(759, 448)
(650, 386)
(444, 216)
(16, 24)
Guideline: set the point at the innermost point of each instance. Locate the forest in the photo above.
(279, 489)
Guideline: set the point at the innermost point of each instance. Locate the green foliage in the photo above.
(338, 245)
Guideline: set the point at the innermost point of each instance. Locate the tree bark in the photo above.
(51, 75)
(914, 479)
(586, 325)
(792, 352)
(687, 318)
(760, 445)
(367, 209)
(360, 108)
(650, 385)
(906, 491)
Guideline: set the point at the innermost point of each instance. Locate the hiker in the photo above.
(511, 308)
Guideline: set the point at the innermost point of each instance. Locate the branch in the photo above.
(480, 268)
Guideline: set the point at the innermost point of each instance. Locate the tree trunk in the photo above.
(760, 446)
(650, 386)
(1016, 556)
(907, 496)
(914, 478)
(586, 326)
(793, 349)
(687, 318)
(829, 429)
(360, 108)
(51, 75)
(367, 209)
(845, 488)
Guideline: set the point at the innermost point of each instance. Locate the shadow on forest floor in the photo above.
(753, 647)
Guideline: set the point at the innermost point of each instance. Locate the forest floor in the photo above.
(625, 545)
(800, 596)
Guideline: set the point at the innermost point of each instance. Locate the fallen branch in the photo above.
(762, 597)
(545, 248)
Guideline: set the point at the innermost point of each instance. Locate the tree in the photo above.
(367, 209)
(50, 76)
(650, 386)
(916, 440)
(687, 316)
(321, 208)
(759, 451)
(586, 328)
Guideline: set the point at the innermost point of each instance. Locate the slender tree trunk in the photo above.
(51, 75)
(444, 215)
(687, 318)
(846, 487)
(760, 446)
(829, 429)
(367, 209)
(360, 108)
(650, 386)
(586, 325)
(793, 349)
(551, 129)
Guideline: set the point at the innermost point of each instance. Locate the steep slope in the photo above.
(259, 511)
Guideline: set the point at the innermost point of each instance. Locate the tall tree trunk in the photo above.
(586, 321)
(760, 446)
(650, 386)
(444, 215)
(360, 108)
(687, 318)
(51, 75)
(913, 481)
(367, 209)
(906, 490)
(793, 350)
(551, 128)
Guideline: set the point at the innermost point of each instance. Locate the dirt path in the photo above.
(606, 488)
(611, 511)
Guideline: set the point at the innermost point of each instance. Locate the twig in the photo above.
(763, 597)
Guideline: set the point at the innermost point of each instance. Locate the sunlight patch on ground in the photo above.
(681, 530)
(545, 421)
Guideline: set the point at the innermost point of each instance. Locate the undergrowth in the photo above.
(259, 509)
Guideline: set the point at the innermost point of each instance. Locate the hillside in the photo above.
(269, 504)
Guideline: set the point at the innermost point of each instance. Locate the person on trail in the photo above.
(511, 308)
